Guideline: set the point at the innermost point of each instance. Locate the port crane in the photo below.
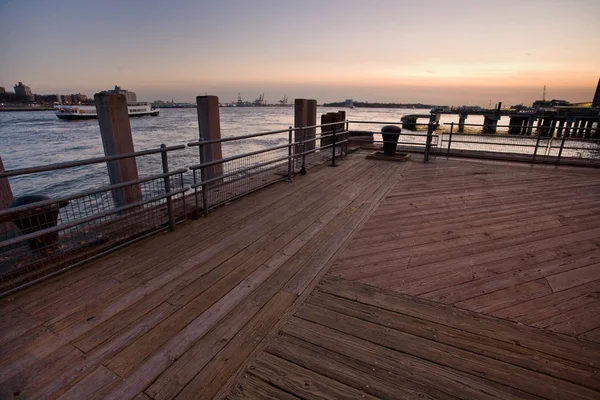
(284, 101)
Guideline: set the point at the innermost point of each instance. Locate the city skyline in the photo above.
(466, 52)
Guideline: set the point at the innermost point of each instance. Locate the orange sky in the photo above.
(439, 52)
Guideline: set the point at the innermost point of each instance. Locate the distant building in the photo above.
(23, 92)
(550, 103)
(2, 90)
(596, 100)
(131, 96)
(348, 103)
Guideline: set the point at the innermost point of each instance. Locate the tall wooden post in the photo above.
(115, 129)
(311, 120)
(209, 125)
(6, 194)
(326, 130)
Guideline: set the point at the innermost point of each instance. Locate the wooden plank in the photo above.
(16, 323)
(575, 277)
(439, 381)
(48, 376)
(536, 339)
(560, 303)
(369, 378)
(208, 378)
(576, 321)
(503, 298)
(120, 340)
(251, 387)
(93, 386)
(593, 335)
(489, 347)
(500, 372)
(516, 276)
(302, 382)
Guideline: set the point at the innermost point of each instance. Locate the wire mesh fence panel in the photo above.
(40, 236)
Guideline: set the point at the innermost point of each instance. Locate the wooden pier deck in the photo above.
(454, 279)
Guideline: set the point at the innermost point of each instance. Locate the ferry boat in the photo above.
(135, 109)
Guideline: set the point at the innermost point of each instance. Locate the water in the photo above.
(30, 139)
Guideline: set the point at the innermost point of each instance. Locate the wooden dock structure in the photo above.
(456, 279)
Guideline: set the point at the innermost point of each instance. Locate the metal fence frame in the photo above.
(541, 139)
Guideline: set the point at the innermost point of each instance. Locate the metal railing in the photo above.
(219, 181)
(41, 237)
(536, 147)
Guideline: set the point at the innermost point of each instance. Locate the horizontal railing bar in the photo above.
(237, 157)
(253, 135)
(496, 144)
(71, 164)
(220, 177)
(38, 204)
(81, 221)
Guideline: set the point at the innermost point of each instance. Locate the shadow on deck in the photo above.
(455, 279)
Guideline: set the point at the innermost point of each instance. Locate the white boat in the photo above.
(135, 109)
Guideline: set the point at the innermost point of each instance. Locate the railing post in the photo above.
(333, 149)
(430, 129)
(165, 167)
(450, 139)
(562, 146)
(203, 177)
(537, 145)
(290, 155)
(303, 169)
(6, 194)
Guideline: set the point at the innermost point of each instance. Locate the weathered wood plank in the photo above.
(536, 339)
(302, 382)
(93, 386)
(500, 372)
(251, 387)
(489, 347)
(575, 277)
(348, 371)
(437, 380)
(211, 378)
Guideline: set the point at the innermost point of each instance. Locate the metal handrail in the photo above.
(96, 160)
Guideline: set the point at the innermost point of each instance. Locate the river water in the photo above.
(37, 138)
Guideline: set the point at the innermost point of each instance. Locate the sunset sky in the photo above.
(439, 52)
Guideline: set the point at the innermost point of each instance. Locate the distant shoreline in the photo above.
(6, 109)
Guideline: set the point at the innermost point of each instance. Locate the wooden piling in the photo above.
(311, 120)
(115, 130)
(6, 194)
(326, 130)
(209, 126)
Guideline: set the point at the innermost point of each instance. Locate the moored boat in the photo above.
(135, 109)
